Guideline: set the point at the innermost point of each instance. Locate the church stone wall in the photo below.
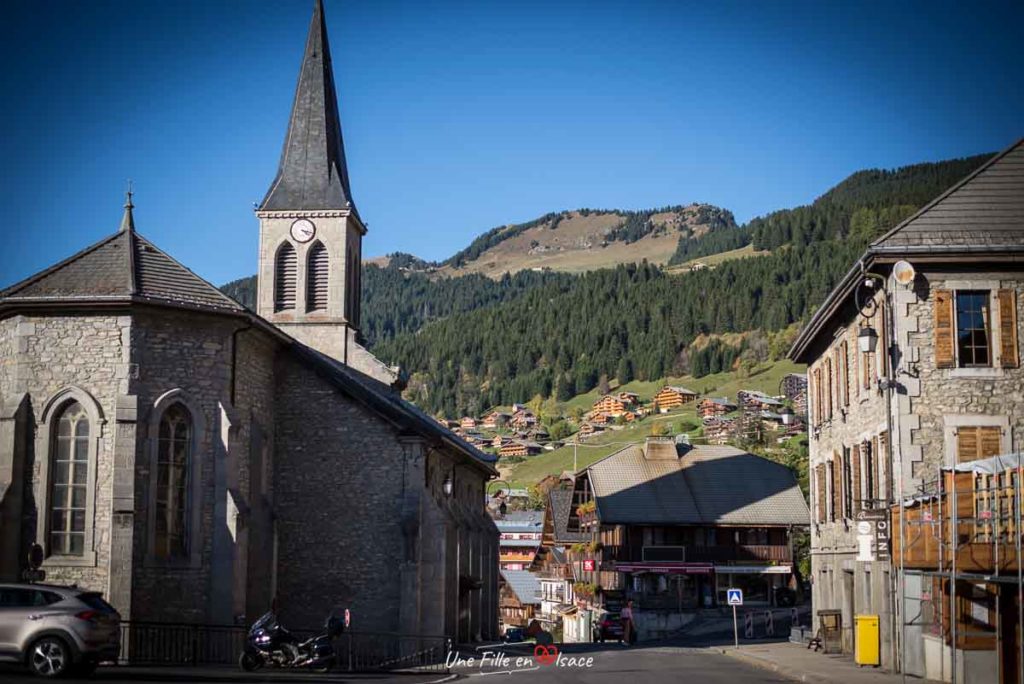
(7, 360)
(190, 352)
(52, 354)
(338, 492)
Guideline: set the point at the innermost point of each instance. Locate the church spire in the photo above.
(312, 173)
(127, 220)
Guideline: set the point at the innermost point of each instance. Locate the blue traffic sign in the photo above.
(734, 597)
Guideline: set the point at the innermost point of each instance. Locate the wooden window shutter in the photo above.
(856, 367)
(883, 453)
(819, 472)
(837, 487)
(989, 441)
(883, 348)
(1008, 328)
(844, 365)
(967, 439)
(857, 496)
(828, 382)
(944, 331)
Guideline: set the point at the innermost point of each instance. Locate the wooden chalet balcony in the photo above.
(760, 553)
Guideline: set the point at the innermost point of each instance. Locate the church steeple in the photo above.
(312, 173)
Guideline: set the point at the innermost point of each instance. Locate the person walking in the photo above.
(628, 629)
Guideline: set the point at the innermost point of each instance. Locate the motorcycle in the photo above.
(269, 644)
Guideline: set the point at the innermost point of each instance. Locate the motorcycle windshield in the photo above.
(267, 622)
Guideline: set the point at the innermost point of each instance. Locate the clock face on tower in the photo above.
(303, 230)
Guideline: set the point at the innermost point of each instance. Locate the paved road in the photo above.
(615, 664)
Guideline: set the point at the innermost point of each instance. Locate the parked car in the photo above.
(57, 630)
(608, 627)
(514, 635)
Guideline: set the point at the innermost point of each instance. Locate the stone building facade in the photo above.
(194, 461)
(943, 292)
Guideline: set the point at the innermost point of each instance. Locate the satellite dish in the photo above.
(903, 272)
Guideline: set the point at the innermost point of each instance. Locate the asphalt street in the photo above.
(584, 663)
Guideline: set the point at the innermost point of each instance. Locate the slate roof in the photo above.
(983, 214)
(312, 173)
(561, 506)
(703, 485)
(984, 210)
(123, 267)
(524, 584)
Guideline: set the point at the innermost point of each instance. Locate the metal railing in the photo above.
(169, 643)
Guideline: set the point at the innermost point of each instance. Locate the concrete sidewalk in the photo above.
(797, 662)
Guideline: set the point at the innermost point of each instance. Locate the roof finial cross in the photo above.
(127, 221)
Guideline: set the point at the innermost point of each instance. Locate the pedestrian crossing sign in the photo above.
(734, 597)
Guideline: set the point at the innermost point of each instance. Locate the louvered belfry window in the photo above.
(316, 278)
(284, 278)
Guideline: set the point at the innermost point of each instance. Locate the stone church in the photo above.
(192, 459)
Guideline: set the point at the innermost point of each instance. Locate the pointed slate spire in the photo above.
(312, 173)
(128, 221)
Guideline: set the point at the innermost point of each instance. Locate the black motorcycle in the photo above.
(269, 644)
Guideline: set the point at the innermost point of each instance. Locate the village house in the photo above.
(719, 430)
(523, 419)
(611, 406)
(193, 460)
(715, 406)
(520, 535)
(914, 365)
(673, 525)
(517, 447)
(520, 598)
(468, 423)
(495, 420)
(752, 400)
(670, 397)
(793, 385)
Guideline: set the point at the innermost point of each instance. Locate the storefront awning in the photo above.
(753, 569)
(667, 567)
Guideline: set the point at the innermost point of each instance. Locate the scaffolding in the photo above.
(963, 532)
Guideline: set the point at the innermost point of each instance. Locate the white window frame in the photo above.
(45, 443)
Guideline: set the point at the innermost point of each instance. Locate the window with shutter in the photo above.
(973, 328)
(317, 275)
(973, 443)
(858, 496)
(883, 452)
(856, 367)
(828, 384)
(844, 366)
(284, 278)
(944, 357)
(834, 479)
(847, 484)
(819, 485)
(1008, 328)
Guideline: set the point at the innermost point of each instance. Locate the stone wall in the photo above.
(938, 400)
(337, 490)
(50, 355)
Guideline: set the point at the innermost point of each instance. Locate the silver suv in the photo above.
(56, 630)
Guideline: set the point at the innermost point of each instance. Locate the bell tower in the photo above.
(309, 278)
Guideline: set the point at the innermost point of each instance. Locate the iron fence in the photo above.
(168, 643)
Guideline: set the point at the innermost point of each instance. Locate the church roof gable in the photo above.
(121, 267)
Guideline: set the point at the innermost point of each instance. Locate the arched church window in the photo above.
(69, 482)
(285, 276)
(174, 456)
(316, 278)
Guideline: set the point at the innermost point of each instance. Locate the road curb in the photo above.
(769, 665)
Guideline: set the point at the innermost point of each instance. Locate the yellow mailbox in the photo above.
(866, 643)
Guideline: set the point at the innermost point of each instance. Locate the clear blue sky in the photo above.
(462, 116)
